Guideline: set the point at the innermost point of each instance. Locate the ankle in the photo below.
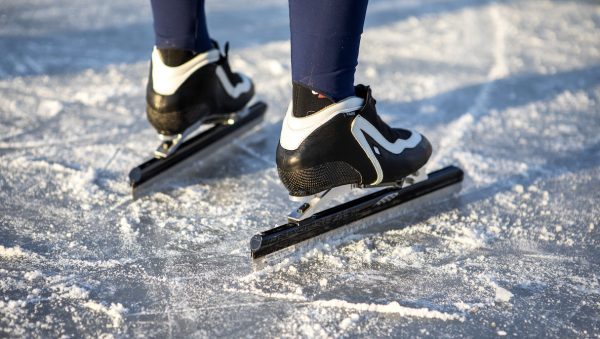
(175, 57)
(305, 101)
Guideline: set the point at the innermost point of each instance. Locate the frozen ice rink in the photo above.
(507, 90)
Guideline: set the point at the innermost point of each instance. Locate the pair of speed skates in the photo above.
(197, 103)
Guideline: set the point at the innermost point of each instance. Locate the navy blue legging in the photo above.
(325, 38)
(180, 24)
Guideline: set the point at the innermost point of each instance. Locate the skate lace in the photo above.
(224, 62)
(373, 116)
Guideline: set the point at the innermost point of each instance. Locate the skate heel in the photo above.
(316, 179)
(174, 122)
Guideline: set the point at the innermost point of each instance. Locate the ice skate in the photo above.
(326, 145)
(327, 148)
(183, 98)
(203, 90)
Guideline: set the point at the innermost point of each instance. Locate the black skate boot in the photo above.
(197, 105)
(328, 147)
(186, 90)
(325, 145)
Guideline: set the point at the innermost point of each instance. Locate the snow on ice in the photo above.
(507, 90)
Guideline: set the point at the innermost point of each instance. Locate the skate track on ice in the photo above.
(507, 90)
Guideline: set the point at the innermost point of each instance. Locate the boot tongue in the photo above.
(306, 102)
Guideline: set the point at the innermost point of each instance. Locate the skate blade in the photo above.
(170, 143)
(373, 211)
(197, 145)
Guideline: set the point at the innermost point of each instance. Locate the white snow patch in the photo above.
(320, 254)
(275, 67)
(502, 294)
(11, 253)
(114, 312)
(82, 182)
(313, 331)
(296, 295)
(393, 307)
(12, 304)
(349, 321)
(33, 275)
(518, 188)
(71, 291)
(127, 233)
(371, 72)
(49, 108)
(461, 305)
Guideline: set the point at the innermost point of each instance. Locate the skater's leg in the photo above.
(180, 29)
(190, 79)
(332, 135)
(325, 39)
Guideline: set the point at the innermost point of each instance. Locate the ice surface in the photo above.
(507, 90)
